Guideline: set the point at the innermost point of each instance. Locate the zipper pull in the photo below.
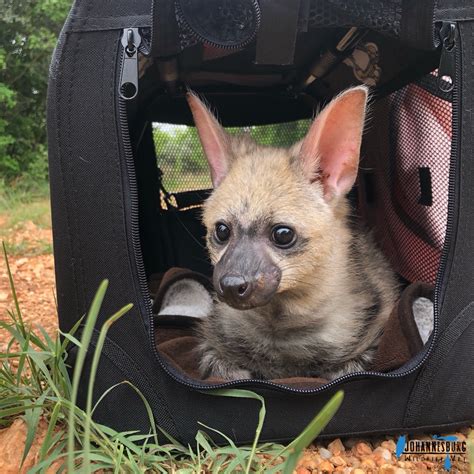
(131, 41)
(447, 62)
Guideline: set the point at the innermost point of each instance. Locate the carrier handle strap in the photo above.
(164, 29)
(417, 23)
(276, 45)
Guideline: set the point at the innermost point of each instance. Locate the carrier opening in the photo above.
(401, 193)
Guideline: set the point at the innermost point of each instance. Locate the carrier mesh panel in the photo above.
(421, 142)
(181, 159)
(409, 211)
(381, 16)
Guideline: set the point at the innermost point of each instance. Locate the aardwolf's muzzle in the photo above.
(245, 277)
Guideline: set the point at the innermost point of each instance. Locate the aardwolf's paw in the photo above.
(211, 366)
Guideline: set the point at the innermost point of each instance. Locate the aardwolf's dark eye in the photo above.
(222, 232)
(283, 236)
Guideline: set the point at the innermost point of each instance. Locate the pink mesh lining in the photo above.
(412, 233)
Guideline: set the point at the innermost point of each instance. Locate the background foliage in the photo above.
(28, 33)
(181, 159)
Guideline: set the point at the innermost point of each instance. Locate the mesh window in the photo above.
(410, 203)
(181, 159)
(381, 16)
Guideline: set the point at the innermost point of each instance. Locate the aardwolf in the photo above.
(302, 290)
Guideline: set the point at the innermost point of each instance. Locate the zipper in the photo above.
(447, 62)
(131, 40)
(451, 69)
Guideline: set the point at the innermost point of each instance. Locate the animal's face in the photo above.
(265, 234)
(274, 216)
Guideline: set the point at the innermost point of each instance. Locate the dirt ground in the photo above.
(33, 272)
(34, 279)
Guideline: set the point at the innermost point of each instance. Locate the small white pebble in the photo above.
(325, 453)
(386, 454)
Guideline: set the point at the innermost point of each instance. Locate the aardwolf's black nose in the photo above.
(235, 289)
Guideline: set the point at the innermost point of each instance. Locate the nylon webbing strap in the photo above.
(276, 38)
(417, 26)
(164, 33)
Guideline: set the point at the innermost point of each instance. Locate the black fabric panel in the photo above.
(191, 198)
(66, 284)
(383, 15)
(444, 389)
(369, 405)
(115, 367)
(91, 197)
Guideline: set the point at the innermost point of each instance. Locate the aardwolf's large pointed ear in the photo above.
(331, 149)
(214, 139)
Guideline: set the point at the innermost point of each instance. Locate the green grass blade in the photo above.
(12, 287)
(32, 417)
(56, 455)
(47, 442)
(49, 342)
(106, 393)
(90, 388)
(145, 402)
(239, 393)
(17, 410)
(118, 459)
(21, 361)
(81, 357)
(203, 443)
(233, 450)
(65, 341)
(295, 448)
(18, 322)
(71, 338)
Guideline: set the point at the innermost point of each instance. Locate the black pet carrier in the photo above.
(126, 204)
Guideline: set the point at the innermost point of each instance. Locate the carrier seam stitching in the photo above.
(61, 156)
(462, 224)
(115, 155)
(72, 174)
(120, 350)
